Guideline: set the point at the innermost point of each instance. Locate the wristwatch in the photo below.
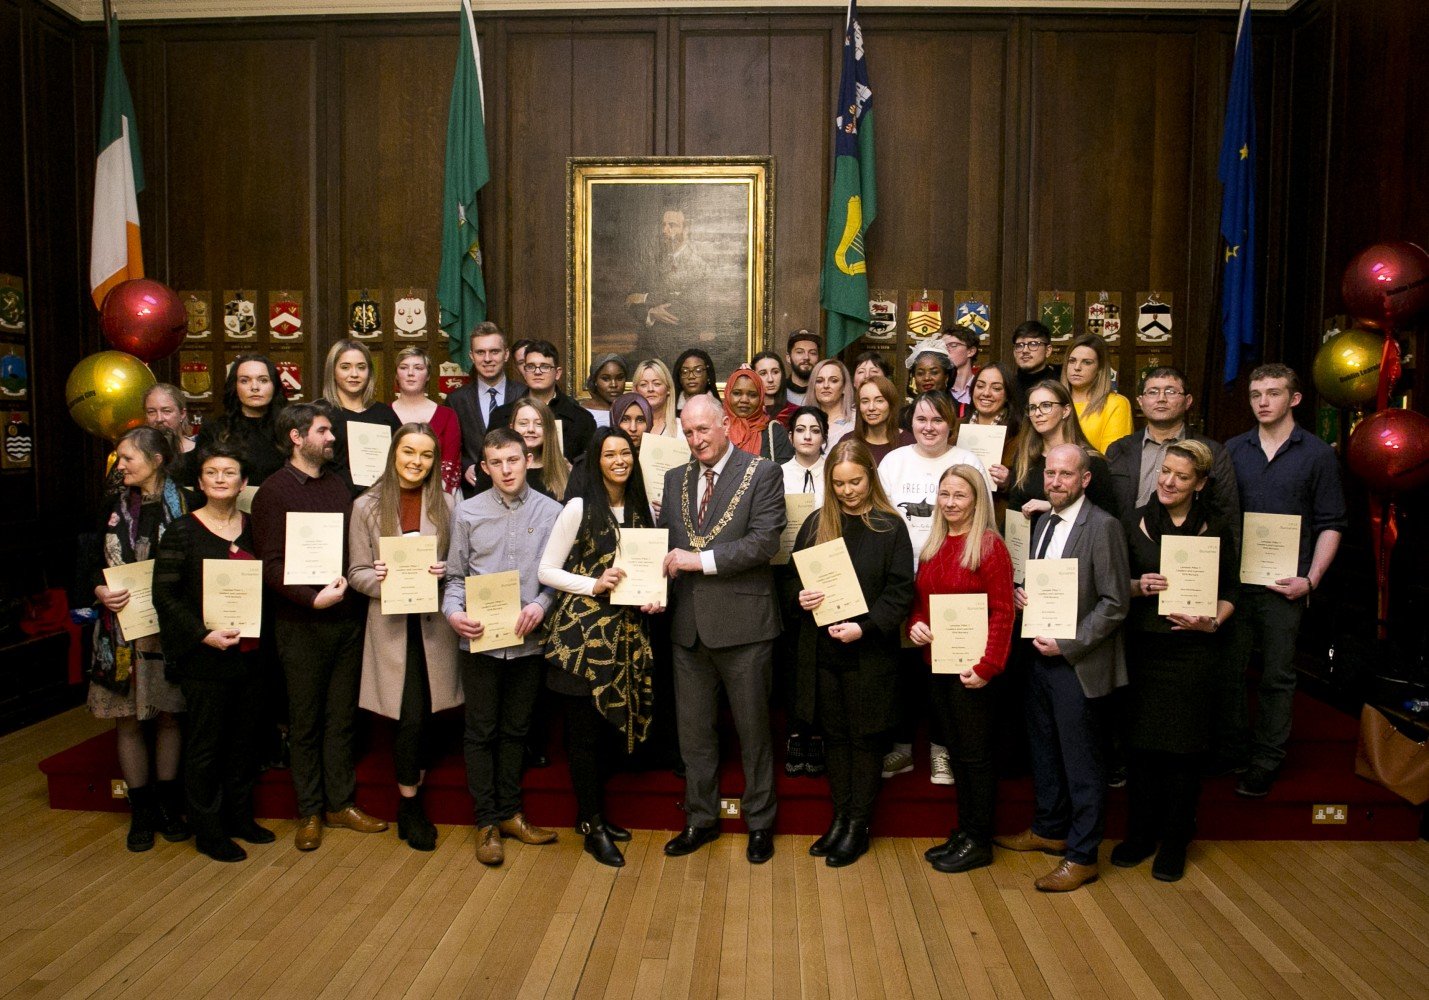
(1215, 623)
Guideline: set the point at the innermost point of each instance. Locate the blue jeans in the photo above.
(1068, 776)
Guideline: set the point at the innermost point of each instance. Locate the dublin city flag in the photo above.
(461, 289)
(843, 285)
(118, 178)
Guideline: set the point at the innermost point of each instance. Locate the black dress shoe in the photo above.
(850, 847)
(969, 854)
(221, 850)
(1170, 863)
(1132, 851)
(948, 846)
(600, 845)
(617, 833)
(835, 832)
(691, 839)
(760, 847)
(253, 833)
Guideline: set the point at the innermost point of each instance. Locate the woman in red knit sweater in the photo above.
(964, 555)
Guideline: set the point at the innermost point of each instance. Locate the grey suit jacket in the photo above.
(1098, 543)
(736, 605)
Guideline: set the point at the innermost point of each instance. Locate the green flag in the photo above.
(461, 290)
(843, 286)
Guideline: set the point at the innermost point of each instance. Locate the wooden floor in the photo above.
(367, 916)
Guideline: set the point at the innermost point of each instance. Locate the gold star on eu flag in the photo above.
(1232, 251)
(1245, 151)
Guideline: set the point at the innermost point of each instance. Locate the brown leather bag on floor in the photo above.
(1389, 758)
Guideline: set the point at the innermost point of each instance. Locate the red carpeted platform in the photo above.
(1319, 770)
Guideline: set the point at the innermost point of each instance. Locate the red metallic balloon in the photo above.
(144, 318)
(1387, 284)
(1389, 450)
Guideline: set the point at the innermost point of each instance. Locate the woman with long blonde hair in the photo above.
(549, 472)
(349, 386)
(652, 379)
(1105, 415)
(964, 555)
(832, 388)
(409, 664)
(1052, 420)
(848, 670)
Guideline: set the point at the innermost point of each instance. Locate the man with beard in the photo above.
(318, 629)
(802, 353)
(676, 283)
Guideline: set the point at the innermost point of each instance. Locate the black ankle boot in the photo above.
(850, 847)
(143, 818)
(794, 756)
(821, 847)
(170, 800)
(1170, 863)
(413, 825)
(600, 845)
(948, 846)
(221, 849)
(814, 756)
(617, 833)
(1135, 849)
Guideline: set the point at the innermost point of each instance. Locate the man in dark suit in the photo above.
(542, 371)
(476, 401)
(1066, 676)
(1136, 459)
(725, 513)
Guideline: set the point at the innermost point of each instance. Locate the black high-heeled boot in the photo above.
(821, 847)
(413, 825)
(599, 845)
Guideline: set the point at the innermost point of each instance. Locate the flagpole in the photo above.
(108, 17)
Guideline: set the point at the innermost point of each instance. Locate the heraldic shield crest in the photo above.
(1056, 314)
(12, 308)
(973, 315)
(364, 317)
(239, 318)
(882, 317)
(19, 441)
(409, 318)
(196, 318)
(290, 377)
(1104, 319)
(1153, 322)
(925, 316)
(196, 377)
(285, 319)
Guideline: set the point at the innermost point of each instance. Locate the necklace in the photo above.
(698, 541)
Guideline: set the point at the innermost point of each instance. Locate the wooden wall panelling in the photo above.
(1110, 179)
(724, 86)
(804, 59)
(537, 134)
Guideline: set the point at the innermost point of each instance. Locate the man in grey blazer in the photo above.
(725, 513)
(1065, 676)
(475, 402)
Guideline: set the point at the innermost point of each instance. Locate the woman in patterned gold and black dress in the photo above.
(599, 655)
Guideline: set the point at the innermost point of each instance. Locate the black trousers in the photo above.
(914, 695)
(499, 695)
(590, 747)
(219, 751)
(854, 758)
(1162, 790)
(966, 719)
(411, 748)
(322, 662)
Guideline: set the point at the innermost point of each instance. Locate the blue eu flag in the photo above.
(1237, 175)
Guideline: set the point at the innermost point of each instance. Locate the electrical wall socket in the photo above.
(1336, 814)
(118, 789)
(729, 808)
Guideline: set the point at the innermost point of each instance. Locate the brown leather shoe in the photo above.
(522, 829)
(1029, 841)
(488, 846)
(1067, 876)
(309, 833)
(355, 819)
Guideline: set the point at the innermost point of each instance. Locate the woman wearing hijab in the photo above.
(750, 427)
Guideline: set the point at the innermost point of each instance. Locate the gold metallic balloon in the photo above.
(1347, 366)
(105, 393)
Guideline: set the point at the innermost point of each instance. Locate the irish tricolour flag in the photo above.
(118, 178)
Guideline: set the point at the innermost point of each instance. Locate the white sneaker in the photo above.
(899, 760)
(942, 770)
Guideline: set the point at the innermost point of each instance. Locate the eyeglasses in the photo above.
(1162, 393)
(1038, 409)
(697, 370)
(537, 368)
(1022, 347)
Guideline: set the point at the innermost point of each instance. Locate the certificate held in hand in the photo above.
(1051, 610)
(1270, 548)
(986, 443)
(138, 619)
(494, 600)
(233, 596)
(828, 568)
(1017, 533)
(312, 553)
(959, 626)
(658, 455)
(797, 508)
(1191, 566)
(410, 587)
(367, 447)
(641, 553)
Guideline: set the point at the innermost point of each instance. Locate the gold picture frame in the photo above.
(667, 253)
